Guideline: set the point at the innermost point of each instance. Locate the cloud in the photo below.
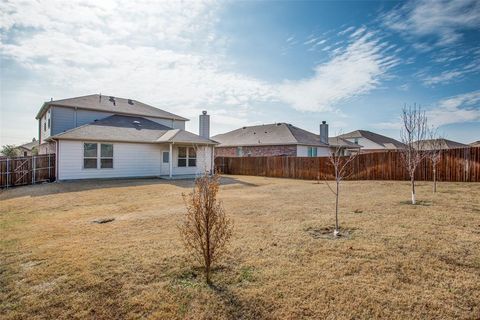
(356, 70)
(457, 109)
(167, 53)
(444, 19)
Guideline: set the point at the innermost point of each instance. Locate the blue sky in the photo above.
(354, 64)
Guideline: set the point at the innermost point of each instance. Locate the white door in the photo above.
(165, 168)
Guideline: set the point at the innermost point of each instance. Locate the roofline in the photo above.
(128, 141)
(43, 109)
(275, 144)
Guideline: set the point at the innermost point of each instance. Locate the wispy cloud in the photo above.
(444, 19)
(457, 109)
(355, 70)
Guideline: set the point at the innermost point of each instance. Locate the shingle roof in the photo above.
(268, 134)
(29, 145)
(387, 142)
(339, 142)
(441, 143)
(475, 144)
(130, 129)
(105, 103)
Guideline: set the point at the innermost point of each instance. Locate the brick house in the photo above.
(278, 139)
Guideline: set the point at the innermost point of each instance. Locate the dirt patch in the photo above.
(328, 232)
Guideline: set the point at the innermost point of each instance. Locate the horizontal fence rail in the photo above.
(458, 165)
(19, 171)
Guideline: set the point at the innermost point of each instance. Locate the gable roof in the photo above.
(441, 143)
(475, 144)
(268, 134)
(387, 142)
(130, 129)
(339, 142)
(29, 145)
(104, 103)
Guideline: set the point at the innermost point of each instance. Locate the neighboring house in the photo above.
(443, 144)
(372, 142)
(99, 136)
(28, 149)
(278, 139)
(344, 146)
(475, 144)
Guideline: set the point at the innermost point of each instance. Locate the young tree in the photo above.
(342, 169)
(413, 132)
(206, 230)
(9, 151)
(434, 153)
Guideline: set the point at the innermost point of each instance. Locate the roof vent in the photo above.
(279, 124)
(244, 128)
(136, 122)
(112, 100)
(130, 101)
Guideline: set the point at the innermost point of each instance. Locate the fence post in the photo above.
(8, 171)
(33, 170)
(49, 170)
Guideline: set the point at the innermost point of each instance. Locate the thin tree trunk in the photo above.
(336, 232)
(434, 180)
(413, 190)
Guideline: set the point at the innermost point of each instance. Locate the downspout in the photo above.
(57, 156)
(170, 160)
(213, 160)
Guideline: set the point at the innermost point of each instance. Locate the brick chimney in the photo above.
(204, 125)
(324, 132)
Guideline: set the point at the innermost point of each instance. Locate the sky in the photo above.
(354, 64)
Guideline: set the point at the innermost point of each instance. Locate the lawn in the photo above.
(397, 261)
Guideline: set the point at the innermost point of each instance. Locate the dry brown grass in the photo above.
(399, 260)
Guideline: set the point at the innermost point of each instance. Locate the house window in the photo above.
(192, 157)
(239, 152)
(106, 156)
(187, 157)
(90, 156)
(48, 123)
(312, 151)
(355, 140)
(166, 156)
(44, 126)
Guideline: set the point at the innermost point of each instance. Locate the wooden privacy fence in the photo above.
(26, 170)
(461, 165)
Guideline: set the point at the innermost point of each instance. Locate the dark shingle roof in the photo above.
(441, 143)
(130, 129)
(475, 144)
(268, 134)
(387, 142)
(103, 103)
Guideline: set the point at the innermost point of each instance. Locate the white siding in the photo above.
(302, 151)
(129, 160)
(204, 161)
(45, 131)
(366, 143)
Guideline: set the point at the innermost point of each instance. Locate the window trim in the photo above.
(98, 156)
(105, 158)
(187, 157)
(163, 156)
(312, 152)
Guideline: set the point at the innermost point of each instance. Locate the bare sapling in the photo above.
(434, 153)
(342, 169)
(206, 230)
(414, 131)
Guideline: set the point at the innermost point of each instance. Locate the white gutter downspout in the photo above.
(57, 156)
(170, 160)
(213, 160)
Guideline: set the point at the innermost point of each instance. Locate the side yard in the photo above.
(399, 261)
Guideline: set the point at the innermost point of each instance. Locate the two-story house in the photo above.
(98, 136)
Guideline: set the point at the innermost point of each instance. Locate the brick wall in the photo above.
(257, 151)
